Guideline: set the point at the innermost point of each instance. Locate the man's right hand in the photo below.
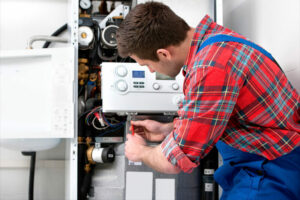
(152, 130)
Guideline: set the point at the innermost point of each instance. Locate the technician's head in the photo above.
(148, 30)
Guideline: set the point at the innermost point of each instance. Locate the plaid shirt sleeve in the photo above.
(210, 96)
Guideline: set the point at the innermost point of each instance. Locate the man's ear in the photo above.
(163, 54)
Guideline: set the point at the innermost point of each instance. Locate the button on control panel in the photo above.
(175, 86)
(156, 86)
(138, 84)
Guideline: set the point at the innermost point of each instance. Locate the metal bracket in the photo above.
(170, 113)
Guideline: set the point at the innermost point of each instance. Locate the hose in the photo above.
(56, 33)
(31, 173)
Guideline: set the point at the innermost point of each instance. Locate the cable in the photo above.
(83, 114)
(56, 33)
(98, 128)
(110, 124)
(87, 118)
(31, 173)
(112, 130)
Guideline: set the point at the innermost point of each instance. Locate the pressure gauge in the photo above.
(108, 36)
(85, 4)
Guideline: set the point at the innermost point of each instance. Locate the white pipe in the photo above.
(45, 38)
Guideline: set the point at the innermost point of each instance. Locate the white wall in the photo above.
(21, 19)
(49, 182)
(273, 24)
(192, 11)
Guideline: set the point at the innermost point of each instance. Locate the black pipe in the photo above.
(31, 174)
(81, 172)
(56, 33)
(209, 166)
(215, 10)
(85, 185)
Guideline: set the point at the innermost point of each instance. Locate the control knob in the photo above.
(121, 71)
(121, 85)
(156, 86)
(175, 86)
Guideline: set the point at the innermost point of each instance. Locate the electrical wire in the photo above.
(112, 130)
(105, 122)
(83, 114)
(87, 118)
(110, 124)
(98, 128)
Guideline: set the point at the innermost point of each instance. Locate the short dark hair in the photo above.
(148, 27)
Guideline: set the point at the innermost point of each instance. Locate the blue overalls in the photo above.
(247, 176)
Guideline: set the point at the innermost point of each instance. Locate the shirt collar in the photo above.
(198, 37)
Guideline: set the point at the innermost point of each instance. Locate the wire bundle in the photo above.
(96, 114)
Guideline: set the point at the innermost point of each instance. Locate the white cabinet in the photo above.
(38, 104)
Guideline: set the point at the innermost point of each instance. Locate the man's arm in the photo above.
(136, 150)
(154, 158)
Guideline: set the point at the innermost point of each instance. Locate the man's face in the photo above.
(162, 67)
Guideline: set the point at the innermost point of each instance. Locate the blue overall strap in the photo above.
(229, 38)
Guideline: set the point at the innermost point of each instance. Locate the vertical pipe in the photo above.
(31, 173)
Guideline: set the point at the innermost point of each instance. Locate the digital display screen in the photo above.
(138, 74)
(163, 77)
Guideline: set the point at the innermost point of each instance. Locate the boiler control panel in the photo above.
(129, 87)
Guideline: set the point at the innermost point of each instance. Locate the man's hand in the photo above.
(152, 130)
(134, 147)
(136, 150)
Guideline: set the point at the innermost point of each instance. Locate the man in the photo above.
(236, 97)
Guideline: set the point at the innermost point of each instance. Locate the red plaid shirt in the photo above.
(235, 94)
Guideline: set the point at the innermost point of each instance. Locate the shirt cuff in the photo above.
(175, 155)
